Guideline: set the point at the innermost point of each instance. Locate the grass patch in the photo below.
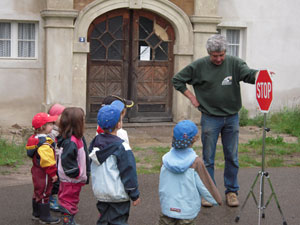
(148, 160)
(275, 162)
(285, 121)
(11, 154)
(277, 154)
(248, 161)
(296, 164)
(243, 115)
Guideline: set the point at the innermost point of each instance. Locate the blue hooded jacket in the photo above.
(180, 187)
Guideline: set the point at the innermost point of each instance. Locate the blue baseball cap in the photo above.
(120, 105)
(108, 116)
(183, 134)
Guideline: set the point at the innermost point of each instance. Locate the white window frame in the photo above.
(224, 26)
(223, 32)
(14, 40)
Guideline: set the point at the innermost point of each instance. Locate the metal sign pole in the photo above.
(264, 97)
(262, 173)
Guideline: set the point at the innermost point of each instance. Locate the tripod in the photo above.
(262, 175)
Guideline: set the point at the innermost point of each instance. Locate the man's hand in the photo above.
(192, 98)
(271, 73)
(54, 179)
(195, 101)
(136, 202)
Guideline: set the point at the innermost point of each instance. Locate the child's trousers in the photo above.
(113, 213)
(42, 185)
(68, 196)
(165, 220)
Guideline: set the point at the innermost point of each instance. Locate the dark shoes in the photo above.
(45, 216)
(35, 210)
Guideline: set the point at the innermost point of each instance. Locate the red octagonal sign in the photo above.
(264, 90)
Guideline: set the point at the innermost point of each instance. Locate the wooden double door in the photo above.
(131, 55)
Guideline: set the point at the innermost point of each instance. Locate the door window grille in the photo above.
(107, 40)
(153, 41)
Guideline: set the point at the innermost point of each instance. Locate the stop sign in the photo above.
(264, 90)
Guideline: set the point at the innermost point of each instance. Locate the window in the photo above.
(18, 40)
(153, 40)
(234, 39)
(5, 40)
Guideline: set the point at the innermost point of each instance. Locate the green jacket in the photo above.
(217, 88)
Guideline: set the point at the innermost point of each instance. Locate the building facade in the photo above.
(76, 52)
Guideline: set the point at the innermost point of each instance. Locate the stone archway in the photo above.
(183, 48)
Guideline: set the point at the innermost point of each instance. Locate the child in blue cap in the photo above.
(183, 179)
(113, 169)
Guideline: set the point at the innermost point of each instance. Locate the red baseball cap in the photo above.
(41, 119)
(56, 110)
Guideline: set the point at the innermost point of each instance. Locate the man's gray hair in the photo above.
(216, 43)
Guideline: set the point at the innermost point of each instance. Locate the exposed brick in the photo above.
(186, 5)
(80, 4)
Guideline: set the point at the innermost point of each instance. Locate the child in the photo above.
(113, 170)
(180, 183)
(127, 104)
(73, 163)
(41, 149)
(55, 110)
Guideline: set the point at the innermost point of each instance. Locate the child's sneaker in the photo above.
(206, 203)
(54, 206)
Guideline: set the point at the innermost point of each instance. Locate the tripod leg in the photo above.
(261, 206)
(276, 200)
(237, 218)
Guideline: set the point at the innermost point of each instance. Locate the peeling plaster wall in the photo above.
(272, 42)
(22, 81)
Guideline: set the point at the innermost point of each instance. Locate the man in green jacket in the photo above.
(216, 82)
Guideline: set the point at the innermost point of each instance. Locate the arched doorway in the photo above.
(131, 55)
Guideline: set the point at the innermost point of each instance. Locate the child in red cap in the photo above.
(55, 110)
(41, 149)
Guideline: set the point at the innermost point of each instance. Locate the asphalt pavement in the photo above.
(15, 206)
(15, 197)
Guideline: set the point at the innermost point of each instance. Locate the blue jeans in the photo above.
(228, 126)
